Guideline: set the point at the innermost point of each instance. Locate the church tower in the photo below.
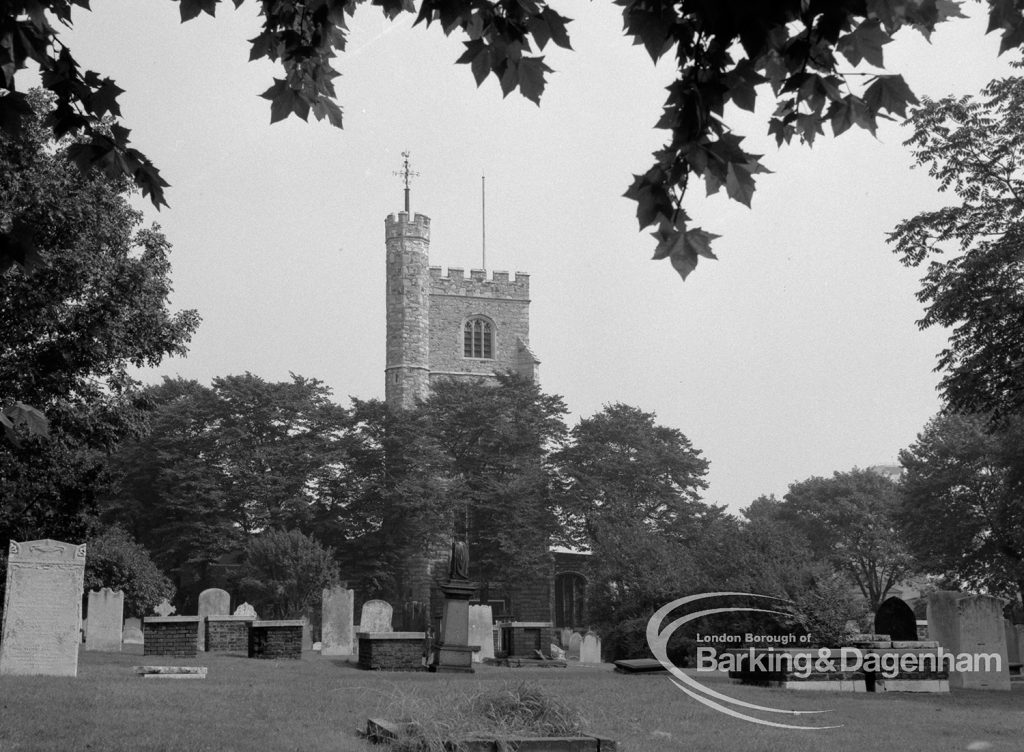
(407, 360)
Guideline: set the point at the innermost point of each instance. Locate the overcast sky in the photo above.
(796, 354)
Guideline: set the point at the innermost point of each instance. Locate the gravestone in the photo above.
(896, 619)
(212, 602)
(375, 617)
(971, 625)
(246, 610)
(1019, 630)
(1012, 645)
(590, 648)
(164, 608)
(132, 634)
(42, 608)
(338, 632)
(573, 651)
(481, 632)
(307, 635)
(106, 614)
(563, 637)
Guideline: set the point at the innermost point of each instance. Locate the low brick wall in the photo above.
(391, 651)
(276, 639)
(521, 639)
(170, 635)
(228, 634)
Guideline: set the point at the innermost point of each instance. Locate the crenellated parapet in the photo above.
(478, 285)
(400, 226)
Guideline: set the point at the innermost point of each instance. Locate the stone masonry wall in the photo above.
(454, 299)
(229, 635)
(176, 638)
(407, 301)
(276, 640)
(391, 655)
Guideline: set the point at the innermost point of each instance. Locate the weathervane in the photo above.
(406, 174)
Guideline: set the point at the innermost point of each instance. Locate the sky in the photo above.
(795, 354)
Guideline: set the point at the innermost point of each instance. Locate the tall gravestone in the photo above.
(971, 624)
(106, 614)
(1012, 646)
(212, 602)
(375, 616)
(896, 619)
(590, 648)
(481, 632)
(42, 608)
(337, 629)
(572, 652)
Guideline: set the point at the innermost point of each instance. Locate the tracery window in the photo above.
(478, 341)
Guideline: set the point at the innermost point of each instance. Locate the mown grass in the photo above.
(318, 704)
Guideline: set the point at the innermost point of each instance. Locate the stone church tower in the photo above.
(448, 326)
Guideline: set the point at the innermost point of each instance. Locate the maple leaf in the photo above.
(864, 43)
(890, 93)
(531, 77)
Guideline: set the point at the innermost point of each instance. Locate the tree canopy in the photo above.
(821, 60)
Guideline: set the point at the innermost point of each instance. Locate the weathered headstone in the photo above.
(338, 631)
(42, 608)
(132, 634)
(573, 651)
(164, 608)
(1019, 630)
(481, 632)
(106, 614)
(564, 636)
(971, 625)
(1012, 646)
(896, 619)
(246, 610)
(375, 616)
(590, 648)
(307, 635)
(212, 602)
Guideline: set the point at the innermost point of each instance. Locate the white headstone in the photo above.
(375, 616)
(564, 636)
(971, 624)
(212, 602)
(481, 632)
(590, 648)
(307, 635)
(164, 608)
(573, 651)
(132, 634)
(337, 629)
(42, 608)
(106, 614)
(246, 610)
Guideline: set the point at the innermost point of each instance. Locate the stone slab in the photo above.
(336, 623)
(481, 632)
(212, 602)
(912, 685)
(640, 666)
(42, 608)
(106, 625)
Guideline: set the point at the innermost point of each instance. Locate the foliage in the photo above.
(284, 573)
(487, 445)
(224, 462)
(824, 608)
(70, 332)
(114, 560)
(962, 513)
(850, 520)
(974, 248)
(809, 54)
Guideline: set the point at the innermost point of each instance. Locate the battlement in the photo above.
(455, 282)
(400, 226)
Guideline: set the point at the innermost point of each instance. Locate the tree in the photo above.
(727, 51)
(284, 573)
(70, 332)
(226, 462)
(850, 520)
(631, 494)
(114, 560)
(962, 514)
(974, 282)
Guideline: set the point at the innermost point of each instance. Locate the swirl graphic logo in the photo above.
(658, 639)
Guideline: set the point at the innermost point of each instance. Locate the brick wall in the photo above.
(227, 634)
(282, 639)
(392, 654)
(171, 635)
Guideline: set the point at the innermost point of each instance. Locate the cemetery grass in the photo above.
(319, 703)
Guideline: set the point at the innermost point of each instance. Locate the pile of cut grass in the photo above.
(440, 723)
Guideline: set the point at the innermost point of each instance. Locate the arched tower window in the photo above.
(478, 340)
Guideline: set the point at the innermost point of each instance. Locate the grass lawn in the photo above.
(318, 704)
